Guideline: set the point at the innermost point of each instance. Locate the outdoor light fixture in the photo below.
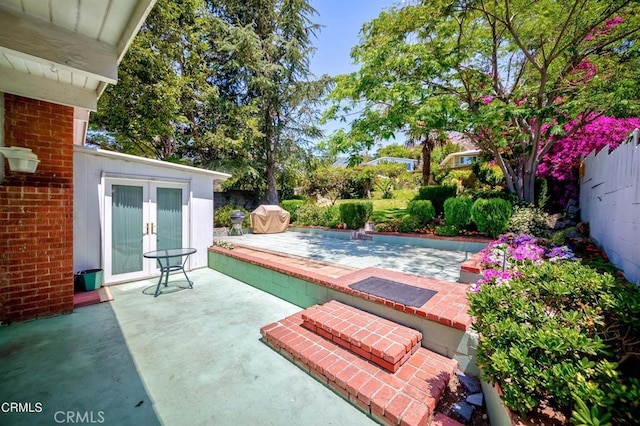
(20, 159)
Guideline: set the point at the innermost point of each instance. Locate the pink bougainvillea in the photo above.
(560, 165)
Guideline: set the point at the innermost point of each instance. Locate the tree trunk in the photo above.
(272, 192)
(427, 145)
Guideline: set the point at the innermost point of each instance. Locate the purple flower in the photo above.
(560, 253)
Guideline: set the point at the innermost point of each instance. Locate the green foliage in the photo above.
(222, 216)
(461, 179)
(385, 185)
(583, 416)
(488, 174)
(457, 213)
(422, 211)
(331, 217)
(310, 214)
(292, 206)
(409, 224)
(400, 151)
(558, 333)
(530, 220)
(559, 238)
(356, 214)
(437, 195)
(447, 231)
(493, 193)
(491, 215)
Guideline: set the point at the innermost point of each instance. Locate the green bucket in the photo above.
(88, 280)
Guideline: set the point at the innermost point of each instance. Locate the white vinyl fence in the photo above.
(610, 202)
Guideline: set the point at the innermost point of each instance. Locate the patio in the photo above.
(187, 357)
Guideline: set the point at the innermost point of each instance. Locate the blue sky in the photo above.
(341, 21)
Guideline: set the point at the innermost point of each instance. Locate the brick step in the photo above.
(381, 341)
(407, 397)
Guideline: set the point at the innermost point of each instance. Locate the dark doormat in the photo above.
(401, 293)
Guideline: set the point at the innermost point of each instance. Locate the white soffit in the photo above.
(65, 51)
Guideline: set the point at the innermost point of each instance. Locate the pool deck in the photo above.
(187, 357)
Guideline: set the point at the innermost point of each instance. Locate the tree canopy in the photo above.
(219, 84)
(508, 74)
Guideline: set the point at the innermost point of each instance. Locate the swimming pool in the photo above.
(421, 256)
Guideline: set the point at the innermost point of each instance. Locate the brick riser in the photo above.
(406, 397)
(383, 342)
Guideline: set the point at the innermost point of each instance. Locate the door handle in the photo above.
(146, 229)
(153, 228)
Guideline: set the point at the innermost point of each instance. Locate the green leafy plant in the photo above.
(491, 216)
(457, 213)
(409, 224)
(222, 216)
(530, 220)
(292, 206)
(437, 195)
(331, 217)
(355, 215)
(585, 416)
(557, 331)
(447, 231)
(461, 179)
(421, 210)
(310, 214)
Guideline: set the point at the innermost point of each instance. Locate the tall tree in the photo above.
(278, 75)
(510, 73)
(221, 84)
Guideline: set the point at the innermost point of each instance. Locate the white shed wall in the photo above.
(88, 213)
(610, 202)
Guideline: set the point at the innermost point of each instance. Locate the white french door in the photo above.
(142, 216)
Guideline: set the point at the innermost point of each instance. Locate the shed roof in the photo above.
(218, 176)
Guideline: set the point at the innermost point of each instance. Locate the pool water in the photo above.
(426, 257)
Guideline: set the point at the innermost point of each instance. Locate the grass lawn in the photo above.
(391, 208)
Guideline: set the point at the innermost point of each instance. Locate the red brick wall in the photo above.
(36, 213)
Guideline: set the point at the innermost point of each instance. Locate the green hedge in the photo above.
(292, 206)
(421, 210)
(437, 195)
(457, 212)
(222, 216)
(355, 215)
(491, 216)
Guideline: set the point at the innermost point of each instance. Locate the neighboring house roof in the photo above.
(451, 156)
(218, 176)
(391, 160)
(66, 52)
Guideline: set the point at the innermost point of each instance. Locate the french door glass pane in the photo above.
(169, 214)
(126, 226)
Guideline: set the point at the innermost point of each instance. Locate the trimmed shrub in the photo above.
(437, 195)
(292, 206)
(331, 217)
(355, 215)
(461, 179)
(409, 224)
(491, 216)
(422, 210)
(457, 212)
(222, 216)
(493, 193)
(529, 220)
(309, 215)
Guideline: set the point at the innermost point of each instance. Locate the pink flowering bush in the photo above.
(503, 258)
(561, 164)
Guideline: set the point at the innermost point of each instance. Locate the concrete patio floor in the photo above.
(187, 357)
(428, 262)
